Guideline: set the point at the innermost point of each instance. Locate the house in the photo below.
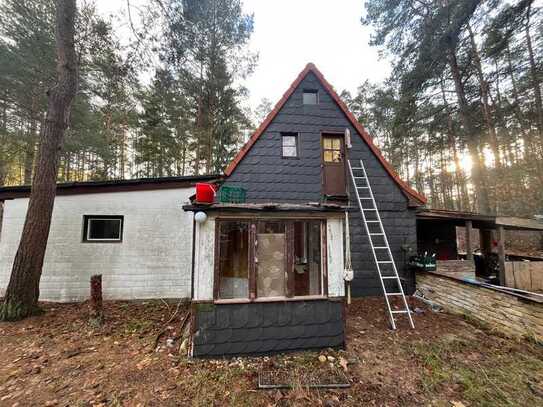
(264, 275)
(269, 273)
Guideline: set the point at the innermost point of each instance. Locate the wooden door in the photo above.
(333, 165)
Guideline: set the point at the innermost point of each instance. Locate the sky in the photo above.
(290, 33)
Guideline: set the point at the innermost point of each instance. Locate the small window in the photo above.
(103, 228)
(290, 145)
(311, 97)
(332, 149)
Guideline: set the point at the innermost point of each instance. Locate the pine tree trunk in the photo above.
(21, 299)
(533, 75)
(484, 89)
(472, 139)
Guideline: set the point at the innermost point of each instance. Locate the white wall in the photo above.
(153, 260)
(335, 255)
(204, 259)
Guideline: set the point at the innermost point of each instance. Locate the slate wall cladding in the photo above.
(267, 327)
(270, 178)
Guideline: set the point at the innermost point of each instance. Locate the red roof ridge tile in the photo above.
(310, 67)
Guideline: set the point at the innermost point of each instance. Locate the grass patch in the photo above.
(483, 374)
(136, 326)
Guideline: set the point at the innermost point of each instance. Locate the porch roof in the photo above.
(479, 221)
(265, 207)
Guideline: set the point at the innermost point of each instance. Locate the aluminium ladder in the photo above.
(381, 250)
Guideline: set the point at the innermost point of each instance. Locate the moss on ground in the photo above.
(508, 378)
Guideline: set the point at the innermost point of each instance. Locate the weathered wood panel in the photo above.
(525, 275)
(501, 311)
(334, 236)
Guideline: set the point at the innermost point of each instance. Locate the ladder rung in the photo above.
(384, 261)
(381, 247)
(357, 168)
(362, 187)
(400, 312)
(372, 221)
(369, 209)
(376, 234)
(364, 198)
(389, 277)
(394, 293)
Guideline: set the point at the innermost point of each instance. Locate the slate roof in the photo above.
(410, 193)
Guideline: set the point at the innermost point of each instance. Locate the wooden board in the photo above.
(524, 275)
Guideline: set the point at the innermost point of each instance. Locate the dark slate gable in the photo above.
(270, 178)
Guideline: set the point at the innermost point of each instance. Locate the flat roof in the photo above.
(119, 185)
(479, 221)
(264, 207)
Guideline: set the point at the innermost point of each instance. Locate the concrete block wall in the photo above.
(504, 312)
(153, 260)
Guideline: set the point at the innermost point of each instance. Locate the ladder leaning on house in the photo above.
(386, 267)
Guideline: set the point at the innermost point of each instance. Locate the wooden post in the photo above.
(501, 253)
(486, 241)
(469, 246)
(96, 309)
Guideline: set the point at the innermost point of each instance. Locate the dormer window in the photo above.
(289, 142)
(310, 96)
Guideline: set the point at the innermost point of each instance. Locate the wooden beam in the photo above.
(501, 253)
(469, 245)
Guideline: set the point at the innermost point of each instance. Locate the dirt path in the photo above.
(58, 359)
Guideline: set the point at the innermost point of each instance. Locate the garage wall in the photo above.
(153, 260)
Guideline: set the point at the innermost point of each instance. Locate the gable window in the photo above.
(269, 259)
(289, 143)
(100, 228)
(310, 97)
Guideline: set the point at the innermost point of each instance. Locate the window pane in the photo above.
(328, 156)
(289, 141)
(310, 98)
(327, 143)
(233, 259)
(307, 258)
(270, 259)
(336, 156)
(290, 145)
(289, 152)
(336, 144)
(103, 229)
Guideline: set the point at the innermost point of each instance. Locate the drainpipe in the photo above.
(348, 273)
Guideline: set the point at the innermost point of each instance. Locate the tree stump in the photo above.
(96, 309)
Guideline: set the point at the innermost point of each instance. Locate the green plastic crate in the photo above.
(232, 194)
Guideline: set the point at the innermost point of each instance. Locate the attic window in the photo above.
(102, 228)
(310, 97)
(289, 143)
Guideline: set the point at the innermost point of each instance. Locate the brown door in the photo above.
(333, 165)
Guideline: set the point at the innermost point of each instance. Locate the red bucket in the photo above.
(205, 193)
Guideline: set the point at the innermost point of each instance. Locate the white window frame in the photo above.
(296, 146)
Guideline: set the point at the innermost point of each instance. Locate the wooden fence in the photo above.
(525, 275)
